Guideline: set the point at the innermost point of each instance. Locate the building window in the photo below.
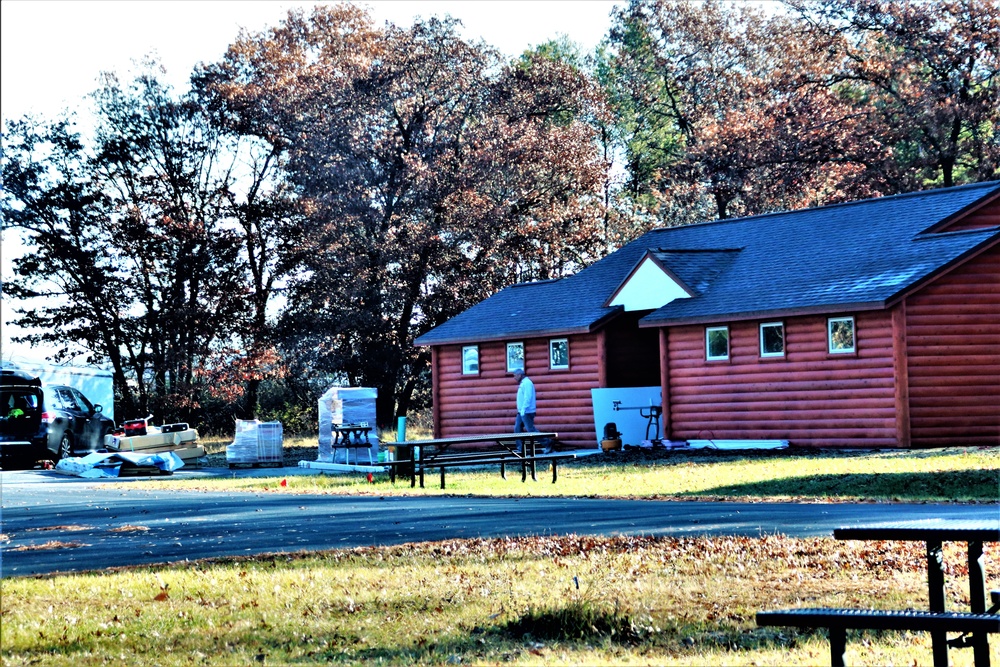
(717, 343)
(559, 354)
(470, 360)
(772, 339)
(841, 335)
(515, 357)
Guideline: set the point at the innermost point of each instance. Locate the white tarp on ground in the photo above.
(110, 464)
(346, 405)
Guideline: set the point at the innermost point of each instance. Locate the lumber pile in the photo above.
(176, 438)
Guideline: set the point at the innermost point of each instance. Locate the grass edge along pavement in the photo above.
(950, 475)
(564, 600)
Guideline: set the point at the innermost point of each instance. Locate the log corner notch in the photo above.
(665, 382)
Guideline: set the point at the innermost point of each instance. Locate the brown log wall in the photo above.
(953, 345)
(485, 403)
(810, 397)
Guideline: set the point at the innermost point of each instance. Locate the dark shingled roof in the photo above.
(697, 269)
(835, 258)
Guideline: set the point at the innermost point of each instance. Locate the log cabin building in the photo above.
(866, 324)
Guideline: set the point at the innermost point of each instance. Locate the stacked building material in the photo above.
(176, 438)
(256, 443)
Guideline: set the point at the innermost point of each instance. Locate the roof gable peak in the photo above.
(663, 275)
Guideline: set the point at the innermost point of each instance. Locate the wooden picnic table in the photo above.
(933, 533)
(977, 622)
(434, 453)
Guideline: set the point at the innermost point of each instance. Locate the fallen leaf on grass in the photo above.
(162, 595)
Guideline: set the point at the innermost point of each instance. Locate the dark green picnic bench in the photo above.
(435, 453)
(974, 625)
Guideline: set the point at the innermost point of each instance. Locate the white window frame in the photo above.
(829, 335)
(553, 342)
(772, 355)
(510, 368)
(708, 345)
(466, 370)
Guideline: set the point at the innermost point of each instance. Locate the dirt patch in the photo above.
(130, 529)
(50, 545)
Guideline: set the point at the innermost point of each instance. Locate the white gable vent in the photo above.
(649, 286)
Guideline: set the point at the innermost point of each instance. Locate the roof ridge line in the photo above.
(693, 250)
(858, 202)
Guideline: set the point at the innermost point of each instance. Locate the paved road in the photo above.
(102, 527)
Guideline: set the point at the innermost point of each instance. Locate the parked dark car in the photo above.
(51, 422)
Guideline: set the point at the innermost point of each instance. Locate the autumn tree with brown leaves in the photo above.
(724, 109)
(926, 76)
(432, 173)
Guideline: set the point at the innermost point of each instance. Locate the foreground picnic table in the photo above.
(434, 453)
(978, 622)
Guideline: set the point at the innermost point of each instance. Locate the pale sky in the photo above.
(51, 52)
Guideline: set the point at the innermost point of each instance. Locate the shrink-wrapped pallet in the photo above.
(256, 442)
(270, 436)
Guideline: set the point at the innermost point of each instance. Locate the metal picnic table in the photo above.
(434, 453)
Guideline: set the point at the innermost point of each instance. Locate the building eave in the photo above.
(829, 309)
(525, 333)
(958, 215)
(969, 254)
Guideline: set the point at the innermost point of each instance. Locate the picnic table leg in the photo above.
(553, 471)
(442, 477)
(838, 646)
(503, 470)
(935, 584)
(977, 602)
(533, 478)
(413, 467)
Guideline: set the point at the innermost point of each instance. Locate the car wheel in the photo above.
(64, 448)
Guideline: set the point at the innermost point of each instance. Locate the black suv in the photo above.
(46, 423)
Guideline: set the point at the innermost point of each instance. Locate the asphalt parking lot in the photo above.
(57, 523)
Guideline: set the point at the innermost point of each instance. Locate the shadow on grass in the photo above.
(961, 485)
(506, 643)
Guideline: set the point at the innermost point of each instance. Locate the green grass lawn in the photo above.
(565, 600)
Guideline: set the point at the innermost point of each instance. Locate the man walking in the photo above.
(525, 420)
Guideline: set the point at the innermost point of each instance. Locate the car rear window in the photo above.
(13, 399)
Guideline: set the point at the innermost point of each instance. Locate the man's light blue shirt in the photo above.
(526, 397)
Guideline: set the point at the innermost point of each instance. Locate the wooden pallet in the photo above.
(257, 464)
